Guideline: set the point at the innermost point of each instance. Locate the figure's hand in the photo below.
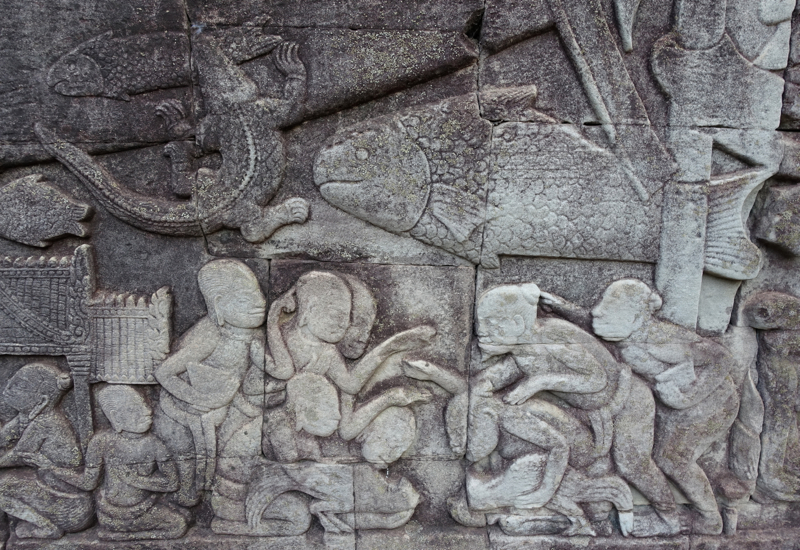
(287, 303)
(411, 339)
(549, 301)
(482, 388)
(670, 394)
(519, 395)
(37, 459)
(419, 370)
(287, 60)
(409, 396)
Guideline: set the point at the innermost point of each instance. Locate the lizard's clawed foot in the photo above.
(294, 210)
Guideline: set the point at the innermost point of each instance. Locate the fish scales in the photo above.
(554, 193)
(520, 188)
(455, 141)
(117, 67)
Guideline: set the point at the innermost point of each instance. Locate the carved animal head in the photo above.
(76, 75)
(507, 314)
(625, 306)
(375, 172)
(772, 310)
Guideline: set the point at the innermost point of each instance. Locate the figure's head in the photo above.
(314, 402)
(507, 314)
(232, 294)
(388, 436)
(125, 408)
(323, 305)
(362, 318)
(625, 306)
(35, 387)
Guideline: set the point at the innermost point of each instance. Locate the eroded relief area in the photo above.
(457, 274)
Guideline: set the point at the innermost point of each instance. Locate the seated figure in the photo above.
(133, 469)
(40, 435)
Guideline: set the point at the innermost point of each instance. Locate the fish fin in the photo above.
(626, 14)
(459, 211)
(490, 260)
(89, 44)
(514, 103)
(729, 251)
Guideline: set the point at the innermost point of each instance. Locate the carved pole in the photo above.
(79, 366)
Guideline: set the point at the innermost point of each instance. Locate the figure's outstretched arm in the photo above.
(424, 370)
(584, 374)
(355, 421)
(280, 366)
(564, 308)
(87, 480)
(352, 381)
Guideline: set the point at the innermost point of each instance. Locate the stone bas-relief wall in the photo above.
(487, 274)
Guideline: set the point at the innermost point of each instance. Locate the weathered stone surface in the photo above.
(414, 274)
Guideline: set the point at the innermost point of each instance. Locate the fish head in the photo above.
(375, 172)
(76, 75)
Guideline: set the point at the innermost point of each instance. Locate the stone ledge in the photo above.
(775, 539)
(449, 538)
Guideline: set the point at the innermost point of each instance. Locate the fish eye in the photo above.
(362, 154)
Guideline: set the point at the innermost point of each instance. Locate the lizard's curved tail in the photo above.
(177, 218)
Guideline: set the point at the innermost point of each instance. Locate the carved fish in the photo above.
(445, 176)
(35, 213)
(118, 67)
